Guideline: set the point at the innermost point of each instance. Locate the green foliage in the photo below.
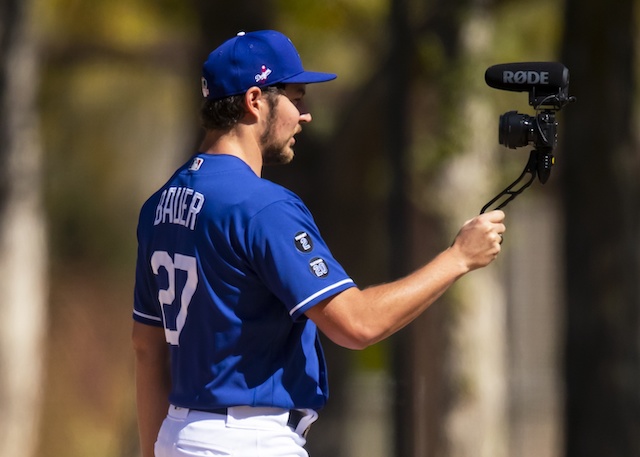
(119, 22)
(528, 31)
(104, 87)
(331, 15)
(97, 161)
(347, 36)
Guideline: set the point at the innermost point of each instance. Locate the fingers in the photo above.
(495, 220)
(480, 238)
(490, 223)
(494, 216)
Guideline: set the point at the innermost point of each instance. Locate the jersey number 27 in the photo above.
(173, 319)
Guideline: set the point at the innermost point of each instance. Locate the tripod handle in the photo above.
(532, 168)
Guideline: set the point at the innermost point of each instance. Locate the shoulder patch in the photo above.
(196, 164)
(319, 267)
(303, 242)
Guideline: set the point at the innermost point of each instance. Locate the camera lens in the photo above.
(516, 130)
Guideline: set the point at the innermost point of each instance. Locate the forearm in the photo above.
(358, 318)
(387, 308)
(152, 404)
(152, 386)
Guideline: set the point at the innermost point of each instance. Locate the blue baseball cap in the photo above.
(261, 58)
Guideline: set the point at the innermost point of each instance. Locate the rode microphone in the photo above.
(546, 82)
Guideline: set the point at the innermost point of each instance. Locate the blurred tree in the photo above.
(601, 196)
(458, 348)
(23, 250)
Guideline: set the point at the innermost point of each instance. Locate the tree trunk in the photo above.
(533, 260)
(475, 418)
(397, 148)
(22, 236)
(601, 208)
(457, 352)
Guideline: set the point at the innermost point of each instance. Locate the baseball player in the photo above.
(233, 278)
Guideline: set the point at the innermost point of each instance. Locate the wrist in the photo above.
(458, 261)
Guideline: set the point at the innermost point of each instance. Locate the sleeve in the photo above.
(146, 308)
(289, 254)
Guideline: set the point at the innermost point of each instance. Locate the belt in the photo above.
(295, 416)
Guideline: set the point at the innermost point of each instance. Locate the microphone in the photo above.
(548, 77)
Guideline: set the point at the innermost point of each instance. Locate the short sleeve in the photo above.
(146, 308)
(288, 253)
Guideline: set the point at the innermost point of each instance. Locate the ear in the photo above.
(253, 99)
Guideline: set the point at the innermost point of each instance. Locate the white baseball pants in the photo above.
(243, 432)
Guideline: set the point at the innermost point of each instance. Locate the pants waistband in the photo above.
(297, 420)
(295, 415)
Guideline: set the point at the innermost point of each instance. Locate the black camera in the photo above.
(517, 130)
(548, 86)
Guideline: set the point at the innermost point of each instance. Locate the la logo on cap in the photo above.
(263, 75)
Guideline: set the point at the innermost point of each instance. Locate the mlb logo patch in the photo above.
(196, 164)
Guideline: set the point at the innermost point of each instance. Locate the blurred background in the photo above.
(536, 355)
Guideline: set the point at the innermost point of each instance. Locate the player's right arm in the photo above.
(358, 318)
(152, 382)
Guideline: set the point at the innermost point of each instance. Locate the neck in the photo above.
(237, 143)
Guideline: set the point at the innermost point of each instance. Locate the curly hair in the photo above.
(224, 113)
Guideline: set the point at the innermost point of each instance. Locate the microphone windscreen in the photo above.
(523, 76)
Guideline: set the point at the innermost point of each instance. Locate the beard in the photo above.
(276, 154)
(274, 151)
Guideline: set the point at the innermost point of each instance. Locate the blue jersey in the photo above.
(228, 263)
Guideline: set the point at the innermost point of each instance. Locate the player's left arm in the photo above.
(357, 318)
(152, 382)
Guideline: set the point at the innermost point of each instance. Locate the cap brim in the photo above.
(309, 77)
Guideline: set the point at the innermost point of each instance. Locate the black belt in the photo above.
(295, 416)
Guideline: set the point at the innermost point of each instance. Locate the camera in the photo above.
(516, 130)
(548, 86)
